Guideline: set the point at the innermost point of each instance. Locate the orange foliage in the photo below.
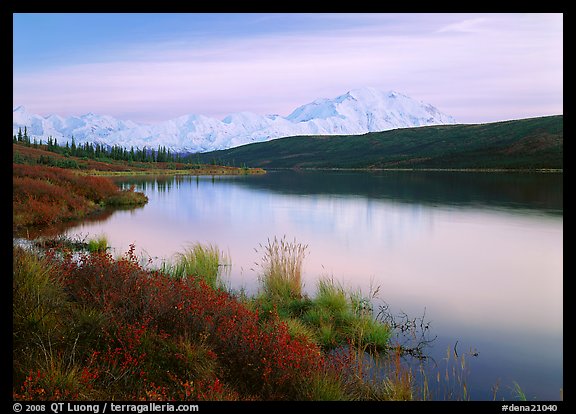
(45, 195)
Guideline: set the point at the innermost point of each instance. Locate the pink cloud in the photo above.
(508, 63)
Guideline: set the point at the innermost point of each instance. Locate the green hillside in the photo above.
(534, 143)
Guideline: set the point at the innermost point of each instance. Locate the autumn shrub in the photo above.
(52, 174)
(258, 356)
(39, 386)
(41, 202)
(96, 189)
(265, 358)
(44, 195)
(70, 346)
(126, 197)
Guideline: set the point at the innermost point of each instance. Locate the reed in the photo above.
(447, 380)
(520, 395)
(281, 268)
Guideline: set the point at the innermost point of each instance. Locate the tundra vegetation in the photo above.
(91, 326)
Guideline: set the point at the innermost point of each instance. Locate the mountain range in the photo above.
(356, 112)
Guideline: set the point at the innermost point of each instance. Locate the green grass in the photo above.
(37, 296)
(450, 379)
(369, 333)
(98, 244)
(204, 261)
(534, 143)
(332, 318)
(520, 395)
(341, 316)
(326, 386)
(300, 330)
(331, 296)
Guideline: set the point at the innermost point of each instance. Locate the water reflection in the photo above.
(57, 229)
(537, 192)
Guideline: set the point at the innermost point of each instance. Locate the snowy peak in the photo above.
(371, 110)
(372, 94)
(20, 115)
(319, 109)
(358, 111)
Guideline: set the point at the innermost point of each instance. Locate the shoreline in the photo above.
(101, 173)
(485, 170)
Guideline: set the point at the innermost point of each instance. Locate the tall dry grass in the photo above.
(281, 268)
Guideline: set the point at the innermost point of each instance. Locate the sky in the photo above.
(152, 67)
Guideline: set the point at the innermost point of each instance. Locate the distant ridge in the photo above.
(533, 143)
(355, 112)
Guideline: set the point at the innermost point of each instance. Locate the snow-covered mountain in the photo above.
(356, 112)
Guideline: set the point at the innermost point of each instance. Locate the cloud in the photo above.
(509, 60)
(466, 26)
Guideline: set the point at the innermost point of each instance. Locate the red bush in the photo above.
(94, 189)
(37, 387)
(260, 356)
(45, 195)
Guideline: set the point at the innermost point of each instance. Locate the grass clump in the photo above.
(341, 317)
(333, 316)
(206, 262)
(332, 297)
(281, 265)
(98, 244)
(38, 298)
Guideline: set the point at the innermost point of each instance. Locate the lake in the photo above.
(479, 256)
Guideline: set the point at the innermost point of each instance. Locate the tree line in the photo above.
(103, 152)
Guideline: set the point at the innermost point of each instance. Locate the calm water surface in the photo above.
(479, 254)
